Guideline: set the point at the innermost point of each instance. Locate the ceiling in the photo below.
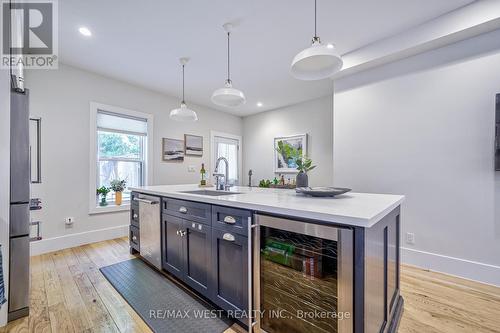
(141, 41)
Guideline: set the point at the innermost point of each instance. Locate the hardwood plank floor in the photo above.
(69, 294)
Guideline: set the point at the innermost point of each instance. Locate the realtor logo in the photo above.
(29, 34)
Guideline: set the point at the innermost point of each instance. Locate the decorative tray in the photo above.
(322, 191)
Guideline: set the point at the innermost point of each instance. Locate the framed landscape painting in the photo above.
(172, 150)
(286, 151)
(193, 145)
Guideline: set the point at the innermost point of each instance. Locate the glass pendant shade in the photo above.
(183, 114)
(316, 62)
(228, 96)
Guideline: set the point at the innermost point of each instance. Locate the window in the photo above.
(119, 150)
(228, 146)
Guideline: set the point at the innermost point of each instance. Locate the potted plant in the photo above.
(265, 183)
(304, 165)
(118, 186)
(103, 192)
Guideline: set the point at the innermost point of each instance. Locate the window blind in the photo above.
(108, 121)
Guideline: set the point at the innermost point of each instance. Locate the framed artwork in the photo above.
(193, 145)
(172, 150)
(286, 151)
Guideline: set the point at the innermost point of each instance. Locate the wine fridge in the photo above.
(303, 276)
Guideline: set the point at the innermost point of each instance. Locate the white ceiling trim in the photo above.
(466, 22)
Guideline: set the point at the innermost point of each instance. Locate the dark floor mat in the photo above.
(163, 305)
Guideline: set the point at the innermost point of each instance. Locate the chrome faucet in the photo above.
(218, 185)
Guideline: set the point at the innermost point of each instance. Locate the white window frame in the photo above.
(148, 177)
(213, 134)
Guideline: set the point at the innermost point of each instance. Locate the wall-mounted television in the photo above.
(497, 133)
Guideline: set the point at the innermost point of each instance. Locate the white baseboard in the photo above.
(72, 240)
(466, 269)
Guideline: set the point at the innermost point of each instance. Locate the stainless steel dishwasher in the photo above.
(150, 230)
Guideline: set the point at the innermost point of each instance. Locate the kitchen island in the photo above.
(287, 262)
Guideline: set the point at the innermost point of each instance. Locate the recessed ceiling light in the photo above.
(85, 31)
(259, 104)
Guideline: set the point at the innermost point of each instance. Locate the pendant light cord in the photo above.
(315, 19)
(228, 59)
(183, 102)
(316, 38)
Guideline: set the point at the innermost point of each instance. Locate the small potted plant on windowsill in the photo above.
(304, 165)
(118, 186)
(103, 192)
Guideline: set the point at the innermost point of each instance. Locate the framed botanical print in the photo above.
(286, 151)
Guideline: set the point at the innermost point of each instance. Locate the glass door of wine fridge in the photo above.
(302, 277)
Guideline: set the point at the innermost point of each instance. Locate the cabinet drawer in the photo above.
(230, 219)
(134, 238)
(134, 214)
(192, 211)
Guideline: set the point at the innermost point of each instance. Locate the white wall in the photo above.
(4, 180)
(61, 97)
(313, 117)
(424, 127)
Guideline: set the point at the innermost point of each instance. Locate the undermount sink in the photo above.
(210, 192)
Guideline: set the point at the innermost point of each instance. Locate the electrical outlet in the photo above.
(191, 168)
(410, 238)
(69, 220)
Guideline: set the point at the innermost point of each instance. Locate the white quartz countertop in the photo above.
(353, 209)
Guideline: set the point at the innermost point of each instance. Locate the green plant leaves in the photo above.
(265, 183)
(103, 190)
(118, 185)
(304, 164)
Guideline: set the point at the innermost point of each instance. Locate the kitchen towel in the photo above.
(2, 285)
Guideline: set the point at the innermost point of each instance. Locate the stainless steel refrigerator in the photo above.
(20, 181)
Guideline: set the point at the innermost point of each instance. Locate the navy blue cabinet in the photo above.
(207, 248)
(173, 247)
(197, 258)
(229, 289)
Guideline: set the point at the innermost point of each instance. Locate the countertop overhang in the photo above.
(351, 209)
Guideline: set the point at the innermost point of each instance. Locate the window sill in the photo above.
(110, 208)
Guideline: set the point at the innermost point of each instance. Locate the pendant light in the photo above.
(183, 113)
(228, 96)
(318, 61)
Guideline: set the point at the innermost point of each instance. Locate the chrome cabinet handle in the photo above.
(183, 210)
(182, 233)
(229, 219)
(229, 237)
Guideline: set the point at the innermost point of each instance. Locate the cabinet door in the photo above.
(172, 245)
(197, 258)
(230, 270)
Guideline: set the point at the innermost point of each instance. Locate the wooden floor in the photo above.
(69, 294)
